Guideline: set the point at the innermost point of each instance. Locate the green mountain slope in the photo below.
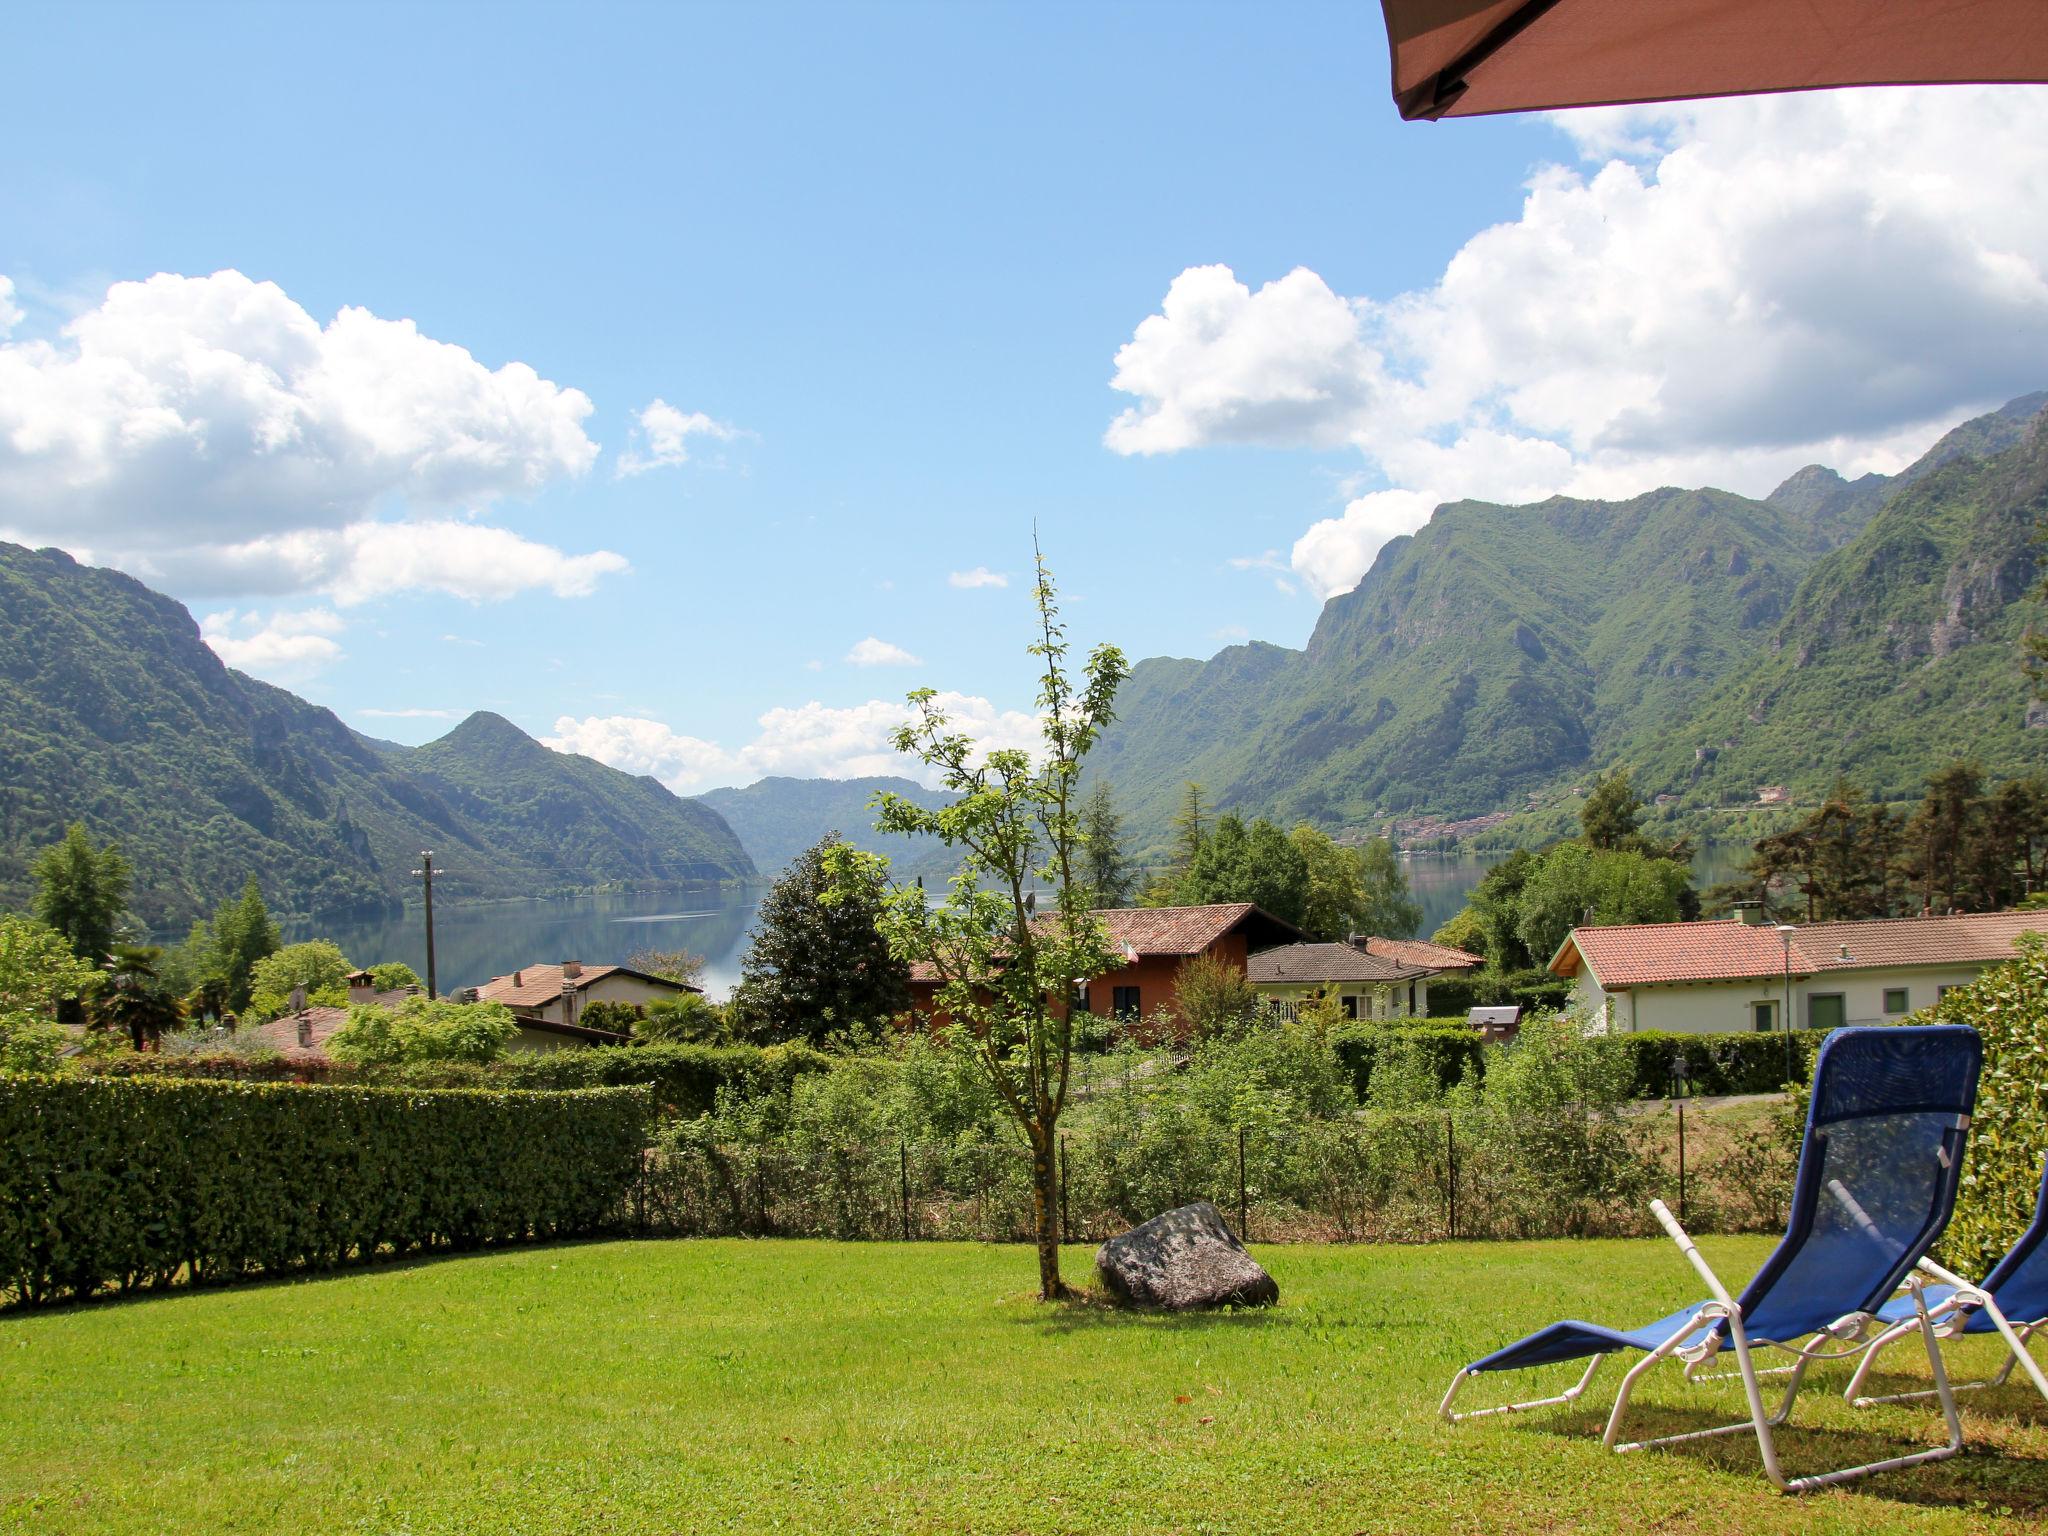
(1500, 652)
(113, 711)
(1900, 650)
(778, 818)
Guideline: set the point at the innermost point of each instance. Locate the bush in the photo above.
(316, 965)
(1536, 991)
(1448, 1054)
(1716, 1064)
(2008, 1006)
(420, 1029)
(685, 1078)
(139, 1183)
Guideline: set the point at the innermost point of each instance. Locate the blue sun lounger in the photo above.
(2012, 1302)
(1878, 1170)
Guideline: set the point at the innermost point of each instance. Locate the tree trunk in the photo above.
(1045, 1211)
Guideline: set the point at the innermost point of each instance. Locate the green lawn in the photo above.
(691, 1386)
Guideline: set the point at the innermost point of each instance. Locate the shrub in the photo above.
(685, 1078)
(316, 965)
(423, 1030)
(1716, 1064)
(394, 976)
(1215, 997)
(1450, 1055)
(139, 1183)
(2008, 1006)
(1536, 991)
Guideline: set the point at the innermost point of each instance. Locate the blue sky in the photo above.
(883, 259)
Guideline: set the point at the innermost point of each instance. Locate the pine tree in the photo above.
(242, 934)
(1105, 864)
(819, 968)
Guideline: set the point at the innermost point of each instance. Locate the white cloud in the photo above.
(286, 646)
(209, 431)
(1718, 293)
(410, 714)
(375, 559)
(980, 576)
(10, 312)
(663, 435)
(811, 740)
(880, 653)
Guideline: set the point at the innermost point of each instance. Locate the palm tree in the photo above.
(133, 997)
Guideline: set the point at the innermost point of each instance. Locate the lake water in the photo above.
(474, 943)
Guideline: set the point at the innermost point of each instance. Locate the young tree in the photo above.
(1107, 866)
(394, 976)
(1008, 967)
(317, 965)
(82, 892)
(133, 999)
(1572, 884)
(819, 968)
(1215, 997)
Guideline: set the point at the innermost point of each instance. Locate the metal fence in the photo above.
(1391, 1178)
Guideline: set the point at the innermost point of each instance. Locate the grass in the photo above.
(705, 1386)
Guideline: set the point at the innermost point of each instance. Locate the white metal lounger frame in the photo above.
(1951, 1313)
(1849, 1330)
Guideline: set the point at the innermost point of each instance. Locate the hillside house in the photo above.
(548, 1001)
(1154, 942)
(1729, 975)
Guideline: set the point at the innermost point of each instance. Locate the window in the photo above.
(1943, 991)
(1124, 1002)
(1350, 1007)
(1826, 1010)
(1763, 1017)
(1895, 1000)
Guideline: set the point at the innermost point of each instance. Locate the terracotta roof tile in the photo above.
(1326, 962)
(1645, 954)
(1435, 957)
(282, 1034)
(535, 986)
(1171, 931)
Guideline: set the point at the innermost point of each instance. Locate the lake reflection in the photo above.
(474, 943)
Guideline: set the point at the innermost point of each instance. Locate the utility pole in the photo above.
(425, 873)
(1785, 932)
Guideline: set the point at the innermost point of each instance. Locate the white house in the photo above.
(1366, 984)
(1714, 977)
(548, 1001)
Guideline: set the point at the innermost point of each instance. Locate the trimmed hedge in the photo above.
(1535, 990)
(685, 1078)
(1453, 1053)
(1718, 1064)
(131, 1183)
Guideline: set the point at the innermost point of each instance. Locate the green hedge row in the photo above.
(685, 1078)
(1492, 989)
(1450, 1052)
(130, 1183)
(1716, 1064)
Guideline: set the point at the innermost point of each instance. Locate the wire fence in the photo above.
(1419, 1177)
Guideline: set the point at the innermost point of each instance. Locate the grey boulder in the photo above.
(1183, 1260)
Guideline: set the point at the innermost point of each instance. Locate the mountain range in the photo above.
(1710, 642)
(114, 712)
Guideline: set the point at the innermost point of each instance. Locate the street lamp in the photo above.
(1785, 932)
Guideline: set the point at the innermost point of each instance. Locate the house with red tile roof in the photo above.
(1366, 984)
(1720, 976)
(1154, 942)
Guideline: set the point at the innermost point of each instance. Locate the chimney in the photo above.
(1845, 952)
(305, 1033)
(518, 979)
(298, 998)
(571, 969)
(1749, 912)
(361, 989)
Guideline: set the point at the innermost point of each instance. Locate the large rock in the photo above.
(1185, 1259)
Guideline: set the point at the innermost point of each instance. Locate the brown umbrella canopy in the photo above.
(1464, 58)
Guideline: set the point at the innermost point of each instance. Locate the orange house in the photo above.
(1155, 943)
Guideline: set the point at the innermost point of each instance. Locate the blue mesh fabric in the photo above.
(2018, 1282)
(1878, 1170)
(1877, 1177)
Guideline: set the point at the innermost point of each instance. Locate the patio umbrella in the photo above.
(1466, 58)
